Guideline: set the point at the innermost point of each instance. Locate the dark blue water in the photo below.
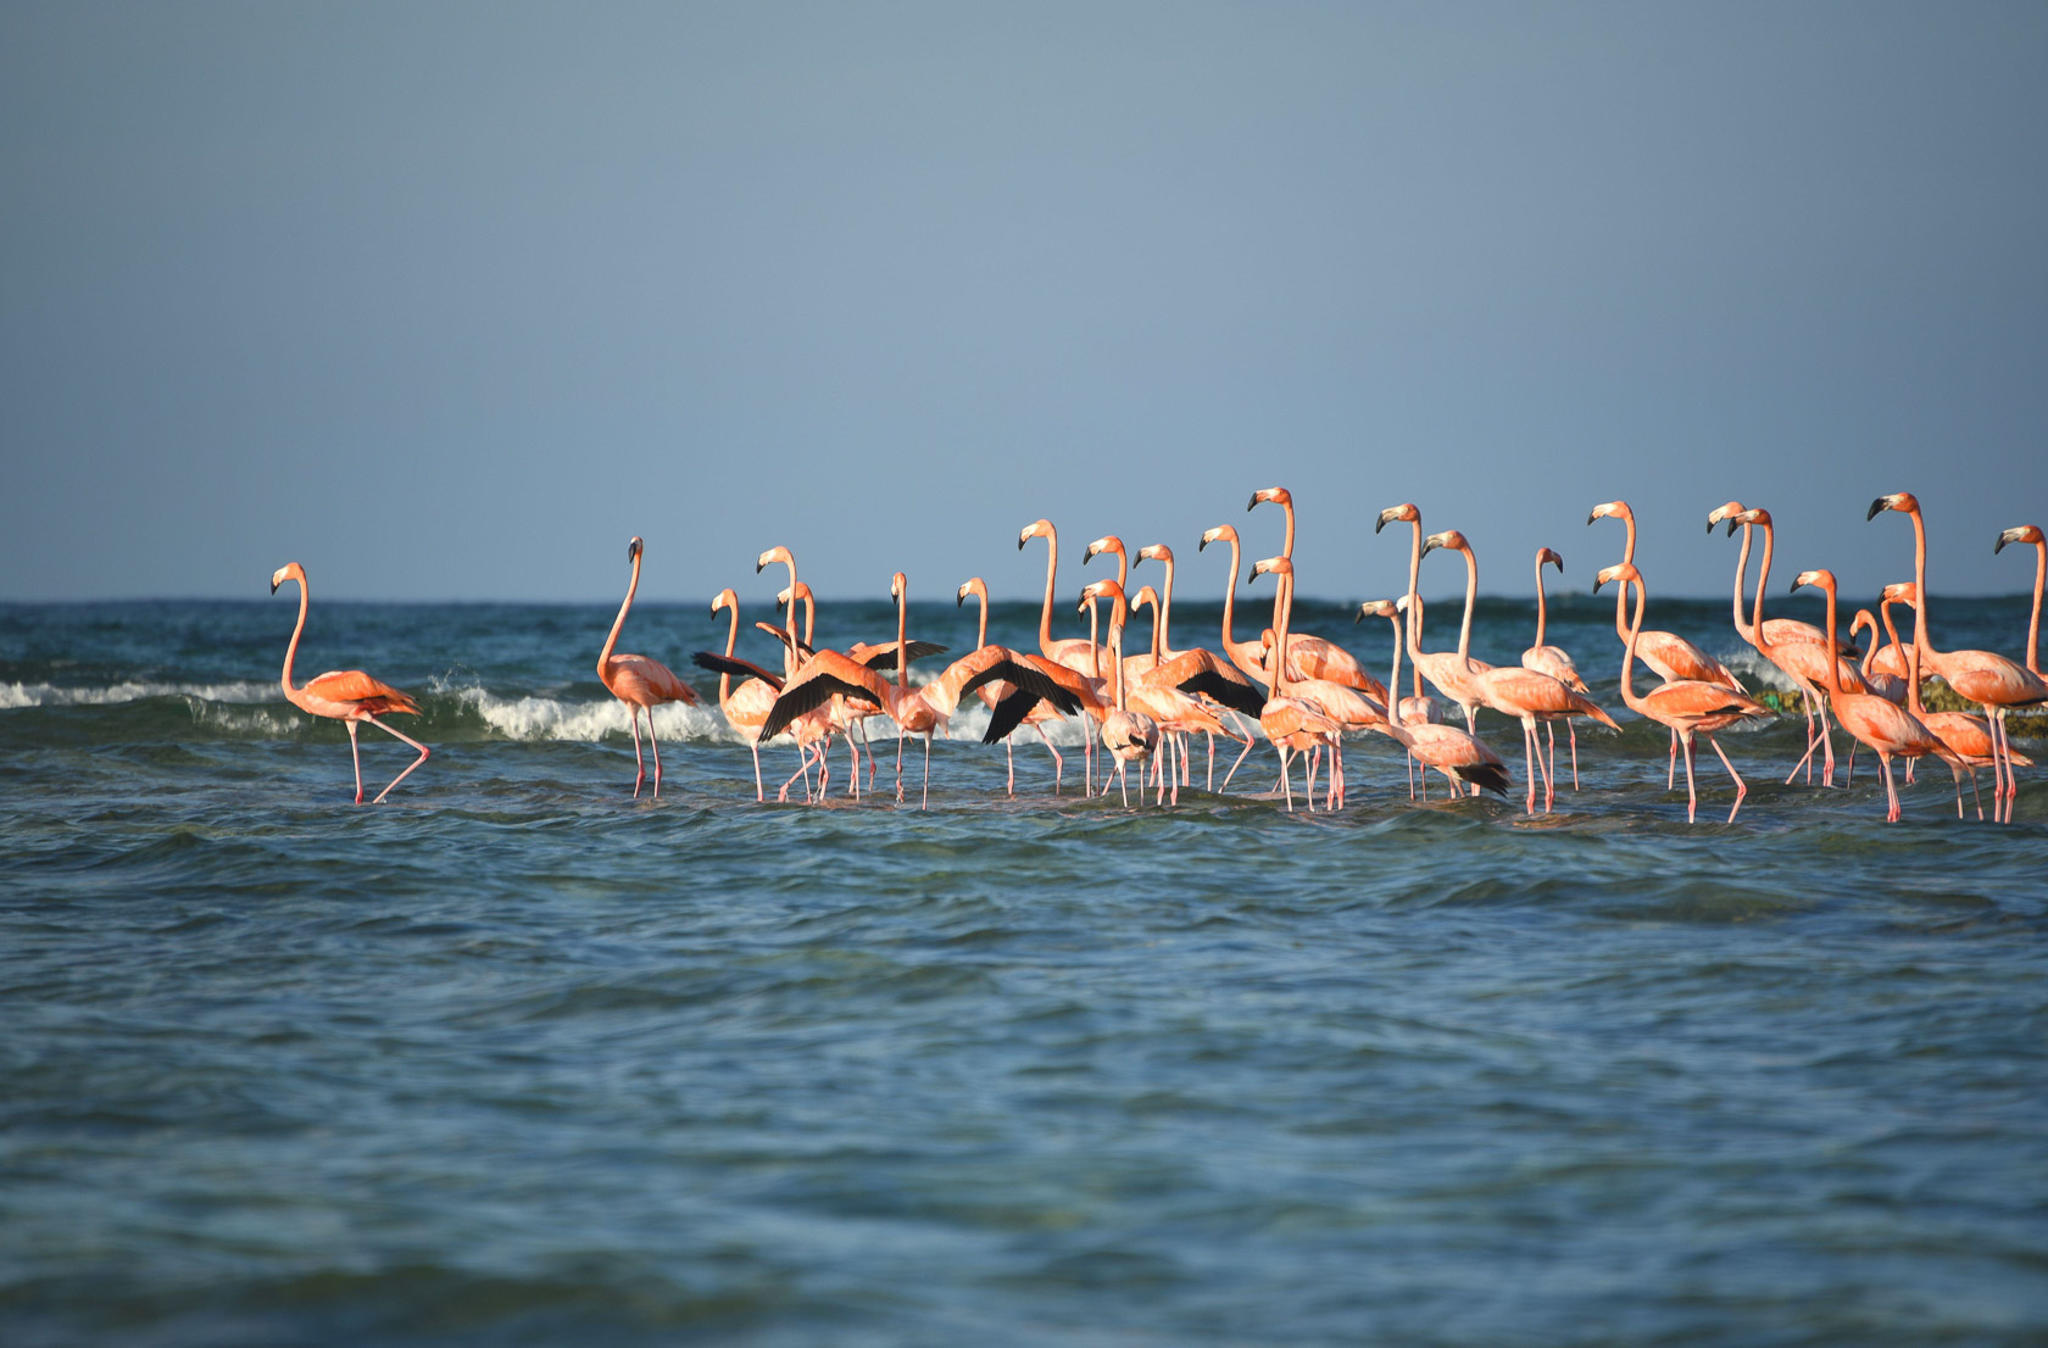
(514, 1058)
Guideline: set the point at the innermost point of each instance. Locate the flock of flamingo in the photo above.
(1305, 693)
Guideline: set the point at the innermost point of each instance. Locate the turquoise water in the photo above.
(515, 1058)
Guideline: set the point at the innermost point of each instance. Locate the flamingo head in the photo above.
(1724, 512)
(1221, 533)
(1035, 529)
(1861, 621)
(1146, 595)
(1546, 555)
(1106, 543)
(1280, 494)
(1759, 517)
(785, 595)
(1900, 592)
(289, 571)
(724, 599)
(974, 586)
(1902, 501)
(1610, 510)
(1376, 608)
(1156, 552)
(2026, 533)
(1278, 566)
(633, 549)
(899, 585)
(1449, 538)
(778, 553)
(1406, 513)
(1824, 579)
(1621, 571)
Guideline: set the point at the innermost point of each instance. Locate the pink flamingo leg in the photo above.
(654, 744)
(1058, 763)
(1572, 728)
(1671, 767)
(926, 802)
(760, 795)
(355, 751)
(425, 753)
(1741, 787)
(1240, 759)
(1692, 798)
(633, 724)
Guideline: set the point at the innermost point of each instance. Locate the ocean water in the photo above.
(515, 1058)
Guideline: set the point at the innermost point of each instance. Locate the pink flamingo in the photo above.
(1991, 681)
(1315, 657)
(1687, 707)
(1248, 691)
(1461, 757)
(1040, 713)
(345, 695)
(1554, 661)
(1416, 709)
(640, 682)
(746, 707)
(1130, 736)
(1523, 694)
(1295, 725)
(1889, 729)
(1803, 660)
(1158, 692)
(1969, 736)
(1669, 656)
(1246, 655)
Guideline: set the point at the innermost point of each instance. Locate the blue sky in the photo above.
(448, 300)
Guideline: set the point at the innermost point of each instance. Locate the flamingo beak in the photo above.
(1430, 545)
(1253, 502)
(1881, 503)
(1596, 515)
(273, 587)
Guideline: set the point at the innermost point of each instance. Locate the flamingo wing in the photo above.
(1025, 677)
(726, 664)
(1009, 713)
(826, 675)
(371, 695)
(884, 655)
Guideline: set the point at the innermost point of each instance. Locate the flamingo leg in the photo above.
(1806, 758)
(1530, 754)
(1212, 763)
(926, 802)
(1550, 741)
(1058, 763)
(1741, 787)
(654, 746)
(1572, 728)
(1240, 759)
(760, 794)
(1827, 743)
(424, 753)
(1891, 792)
(1120, 784)
(1692, 797)
(1548, 769)
(1010, 759)
(1671, 766)
(639, 772)
(356, 752)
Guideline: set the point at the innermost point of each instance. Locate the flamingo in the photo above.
(1884, 725)
(1248, 690)
(1461, 757)
(1416, 709)
(1804, 660)
(1554, 661)
(1246, 655)
(1777, 629)
(1669, 657)
(746, 707)
(1294, 724)
(1969, 736)
(1527, 695)
(1991, 681)
(1687, 707)
(2030, 533)
(345, 695)
(1455, 673)
(1315, 657)
(1163, 692)
(1040, 713)
(1890, 687)
(640, 682)
(1130, 736)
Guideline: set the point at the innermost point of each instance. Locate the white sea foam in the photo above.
(14, 696)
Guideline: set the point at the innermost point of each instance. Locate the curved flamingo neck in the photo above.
(1834, 684)
(1287, 544)
(1542, 602)
(1230, 595)
(902, 629)
(292, 650)
(732, 641)
(611, 641)
(981, 628)
(1742, 627)
(1414, 598)
(1922, 649)
(1763, 580)
(1283, 610)
(1394, 676)
(1052, 566)
(1471, 594)
(1632, 631)
(2034, 623)
(1863, 619)
(1164, 643)
(1094, 639)
(1118, 615)
(1628, 547)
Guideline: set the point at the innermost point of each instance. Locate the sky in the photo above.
(448, 301)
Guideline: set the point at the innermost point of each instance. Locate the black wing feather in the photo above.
(1009, 713)
(809, 695)
(1238, 696)
(1490, 776)
(1028, 679)
(726, 664)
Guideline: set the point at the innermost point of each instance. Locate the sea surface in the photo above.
(516, 1058)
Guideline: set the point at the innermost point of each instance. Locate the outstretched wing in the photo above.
(1009, 713)
(884, 655)
(726, 664)
(828, 674)
(1025, 678)
(1198, 671)
(788, 639)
